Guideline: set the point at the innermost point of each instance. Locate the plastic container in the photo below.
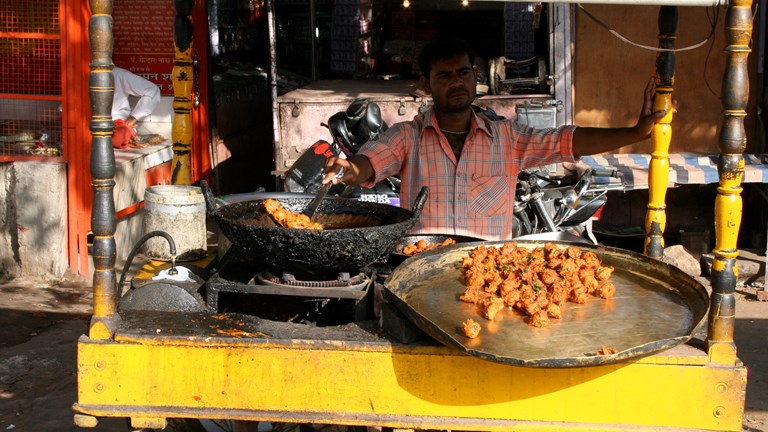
(178, 210)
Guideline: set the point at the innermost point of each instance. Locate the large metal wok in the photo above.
(357, 233)
(656, 306)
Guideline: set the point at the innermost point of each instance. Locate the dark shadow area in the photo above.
(19, 326)
(753, 225)
(38, 372)
(750, 343)
(242, 126)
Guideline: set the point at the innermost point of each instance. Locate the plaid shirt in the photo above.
(475, 195)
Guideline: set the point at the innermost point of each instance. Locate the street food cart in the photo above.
(154, 366)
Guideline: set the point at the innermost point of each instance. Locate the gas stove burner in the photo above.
(343, 280)
(244, 279)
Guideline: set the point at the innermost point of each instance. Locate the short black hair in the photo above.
(443, 49)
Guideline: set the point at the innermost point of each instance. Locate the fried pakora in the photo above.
(536, 281)
(289, 219)
(471, 328)
(412, 249)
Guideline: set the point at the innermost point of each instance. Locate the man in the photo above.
(469, 163)
(127, 118)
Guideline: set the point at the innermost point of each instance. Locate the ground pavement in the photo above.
(40, 323)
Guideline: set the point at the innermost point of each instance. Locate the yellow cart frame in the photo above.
(153, 367)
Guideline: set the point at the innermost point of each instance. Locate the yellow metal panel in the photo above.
(681, 354)
(404, 386)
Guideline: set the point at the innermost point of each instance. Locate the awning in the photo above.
(684, 168)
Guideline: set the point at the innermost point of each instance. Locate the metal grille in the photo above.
(30, 78)
(30, 66)
(30, 127)
(25, 16)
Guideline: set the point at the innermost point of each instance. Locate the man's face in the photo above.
(452, 83)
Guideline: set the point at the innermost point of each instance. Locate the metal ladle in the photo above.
(315, 203)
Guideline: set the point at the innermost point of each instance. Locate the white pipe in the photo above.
(273, 82)
(722, 3)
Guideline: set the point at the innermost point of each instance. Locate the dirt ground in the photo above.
(41, 322)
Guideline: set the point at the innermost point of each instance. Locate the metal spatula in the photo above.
(312, 207)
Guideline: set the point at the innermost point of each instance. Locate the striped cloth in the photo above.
(684, 168)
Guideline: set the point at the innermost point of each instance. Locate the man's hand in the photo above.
(357, 169)
(132, 122)
(592, 140)
(648, 117)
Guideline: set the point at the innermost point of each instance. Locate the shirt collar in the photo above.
(481, 123)
(476, 122)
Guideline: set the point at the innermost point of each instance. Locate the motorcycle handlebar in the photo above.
(610, 172)
(534, 179)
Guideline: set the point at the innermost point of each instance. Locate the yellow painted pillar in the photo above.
(728, 204)
(183, 84)
(661, 135)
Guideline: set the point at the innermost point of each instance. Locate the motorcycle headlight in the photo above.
(570, 198)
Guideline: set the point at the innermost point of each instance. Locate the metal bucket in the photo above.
(180, 211)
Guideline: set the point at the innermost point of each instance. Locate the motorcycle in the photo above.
(552, 208)
(350, 129)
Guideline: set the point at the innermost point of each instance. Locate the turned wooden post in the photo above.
(101, 87)
(728, 204)
(661, 135)
(183, 84)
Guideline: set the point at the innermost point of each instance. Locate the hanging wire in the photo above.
(713, 21)
(647, 47)
(716, 14)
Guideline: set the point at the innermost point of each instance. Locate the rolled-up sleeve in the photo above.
(386, 153)
(540, 147)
